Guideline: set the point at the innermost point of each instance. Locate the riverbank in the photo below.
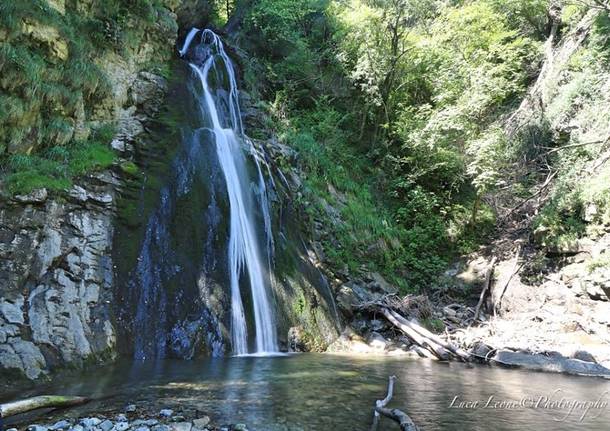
(132, 417)
(537, 312)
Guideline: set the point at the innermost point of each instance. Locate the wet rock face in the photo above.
(56, 268)
(55, 278)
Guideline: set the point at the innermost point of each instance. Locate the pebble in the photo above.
(166, 413)
(61, 425)
(37, 428)
(12, 429)
(90, 422)
(146, 422)
(77, 428)
(240, 427)
(201, 422)
(181, 426)
(121, 418)
(130, 408)
(160, 428)
(121, 426)
(106, 425)
(143, 428)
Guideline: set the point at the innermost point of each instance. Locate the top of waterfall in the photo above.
(215, 39)
(213, 47)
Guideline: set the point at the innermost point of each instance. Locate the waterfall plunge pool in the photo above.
(327, 392)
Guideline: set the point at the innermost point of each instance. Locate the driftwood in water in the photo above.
(486, 287)
(405, 422)
(41, 402)
(424, 338)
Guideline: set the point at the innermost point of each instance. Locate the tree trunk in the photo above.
(41, 402)
(475, 210)
(486, 287)
(405, 327)
(424, 338)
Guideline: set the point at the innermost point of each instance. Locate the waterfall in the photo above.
(220, 111)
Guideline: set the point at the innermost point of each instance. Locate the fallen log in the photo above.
(424, 338)
(461, 354)
(40, 402)
(405, 422)
(405, 326)
(422, 352)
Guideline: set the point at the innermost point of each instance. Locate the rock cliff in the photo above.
(56, 269)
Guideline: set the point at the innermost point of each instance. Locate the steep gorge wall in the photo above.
(56, 269)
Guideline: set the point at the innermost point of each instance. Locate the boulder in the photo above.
(377, 341)
(382, 284)
(181, 426)
(346, 300)
(201, 422)
(549, 362)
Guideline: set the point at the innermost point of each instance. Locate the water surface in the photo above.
(324, 392)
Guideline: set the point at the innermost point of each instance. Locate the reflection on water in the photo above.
(322, 392)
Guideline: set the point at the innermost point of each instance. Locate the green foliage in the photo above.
(434, 324)
(563, 219)
(290, 40)
(339, 191)
(49, 78)
(601, 261)
(57, 166)
(395, 109)
(529, 17)
(600, 37)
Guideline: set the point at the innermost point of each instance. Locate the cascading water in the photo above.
(221, 115)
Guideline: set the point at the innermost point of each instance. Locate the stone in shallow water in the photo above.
(90, 422)
(64, 424)
(181, 426)
(201, 422)
(106, 425)
(166, 413)
(552, 363)
(121, 426)
(37, 428)
(240, 427)
(121, 418)
(160, 428)
(130, 408)
(147, 422)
